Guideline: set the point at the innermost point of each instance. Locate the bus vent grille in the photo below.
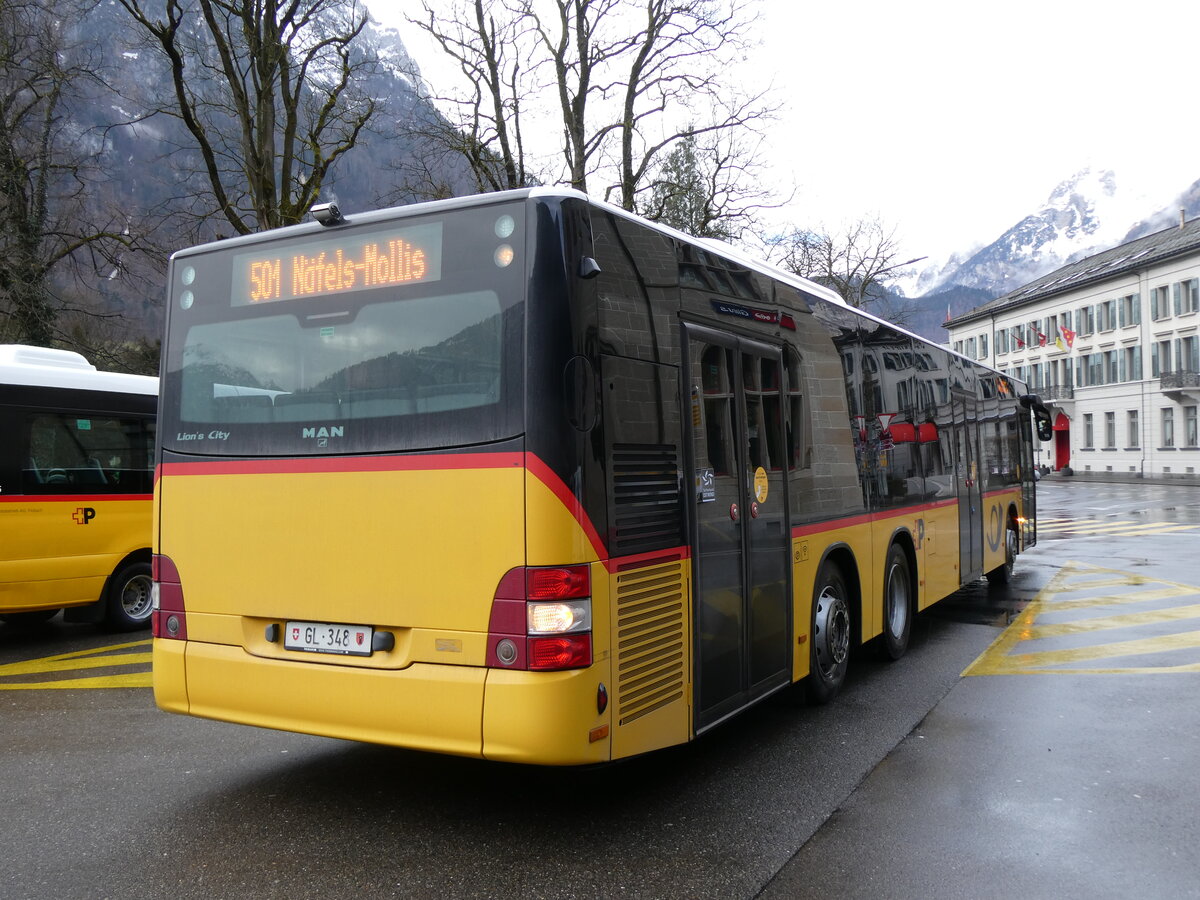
(648, 514)
(650, 639)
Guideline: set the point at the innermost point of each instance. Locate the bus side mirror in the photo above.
(1041, 420)
(1041, 416)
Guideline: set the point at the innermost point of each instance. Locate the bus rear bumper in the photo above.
(423, 707)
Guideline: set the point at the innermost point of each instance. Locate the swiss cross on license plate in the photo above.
(323, 637)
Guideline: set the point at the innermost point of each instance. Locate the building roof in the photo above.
(1129, 257)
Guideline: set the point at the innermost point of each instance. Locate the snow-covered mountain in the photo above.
(1091, 211)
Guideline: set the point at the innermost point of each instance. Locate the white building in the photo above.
(1112, 344)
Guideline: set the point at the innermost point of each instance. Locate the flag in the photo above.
(1041, 339)
(1068, 335)
(948, 316)
(1020, 343)
(1058, 342)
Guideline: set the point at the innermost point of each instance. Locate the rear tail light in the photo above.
(168, 618)
(542, 619)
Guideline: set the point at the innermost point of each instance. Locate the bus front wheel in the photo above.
(129, 599)
(1003, 574)
(830, 643)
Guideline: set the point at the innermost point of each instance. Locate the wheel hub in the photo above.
(832, 630)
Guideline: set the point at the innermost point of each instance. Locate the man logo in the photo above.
(324, 433)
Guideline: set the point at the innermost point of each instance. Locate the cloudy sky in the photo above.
(951, 119)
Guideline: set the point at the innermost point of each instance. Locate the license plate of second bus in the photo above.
(323, 637)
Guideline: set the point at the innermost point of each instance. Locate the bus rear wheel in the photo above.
(129, 598)
(897, 604)
(830, 643)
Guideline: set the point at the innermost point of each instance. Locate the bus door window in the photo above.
(717, 390)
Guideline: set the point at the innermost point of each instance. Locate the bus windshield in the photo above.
(414, 363)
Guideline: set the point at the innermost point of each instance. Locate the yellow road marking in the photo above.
(1059, 613)
(81, 660)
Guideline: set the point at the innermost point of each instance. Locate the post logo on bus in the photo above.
(83, 515)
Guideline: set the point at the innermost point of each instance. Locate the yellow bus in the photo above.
(524, 477)
(76, 484)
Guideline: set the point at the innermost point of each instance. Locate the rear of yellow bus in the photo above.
(344, 482)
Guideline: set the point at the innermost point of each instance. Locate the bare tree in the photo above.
(267, 90)
(858, 262)
(708, 189)
(623, 74)
(45, 168)
(485, 121)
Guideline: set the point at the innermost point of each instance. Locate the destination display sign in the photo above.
(384, 257)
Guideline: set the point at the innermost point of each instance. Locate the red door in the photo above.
(1062, 441)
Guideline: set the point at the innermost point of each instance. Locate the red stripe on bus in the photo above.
(646, 560)
(304, 465)
(550, 479)
(999, 491)
(866, 518)
(71, 498)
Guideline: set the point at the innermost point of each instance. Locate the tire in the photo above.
(829, 647)
(128, 606)
(1003, 574)
(897, 604)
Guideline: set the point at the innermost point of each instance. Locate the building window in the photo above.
(1087, 321)
(1001, 341)
(1111, 371)
(1089, 434)
(1131, 364)
(1107, 314)
(1160, 303)
(1135, 437)
(1110, 430)
(1188, 354)
(1160, 358)
(983, 342)
(1186, 300)
(1131, 310)
(1168, 427)
(1189, 426)
(969, 348)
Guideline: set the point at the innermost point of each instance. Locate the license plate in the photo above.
(323, 637)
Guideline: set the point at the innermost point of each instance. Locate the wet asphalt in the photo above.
(1066, 762)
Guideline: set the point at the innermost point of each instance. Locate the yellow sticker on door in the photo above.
(760, 484)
